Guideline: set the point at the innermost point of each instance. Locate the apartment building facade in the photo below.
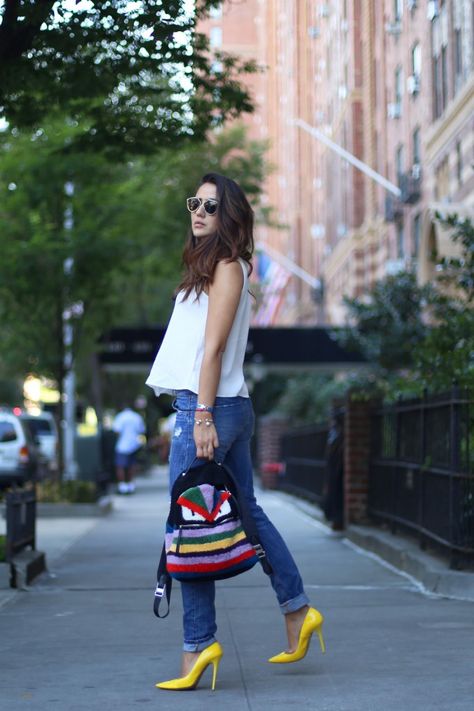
(392, 83)
(279, 35)
(418, 115)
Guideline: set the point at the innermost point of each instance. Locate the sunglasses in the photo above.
(194, 203)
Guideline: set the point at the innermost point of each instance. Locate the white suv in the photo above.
(44, 430)
(18, 451)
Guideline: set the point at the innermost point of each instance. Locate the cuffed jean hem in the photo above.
(294, 604)
(198, 646)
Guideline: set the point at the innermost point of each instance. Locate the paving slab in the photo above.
(85, 636)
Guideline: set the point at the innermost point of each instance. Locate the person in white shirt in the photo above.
(129, 425)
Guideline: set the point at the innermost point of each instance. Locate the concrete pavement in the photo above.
(86, 638)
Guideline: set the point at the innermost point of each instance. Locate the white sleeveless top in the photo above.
(178, 362)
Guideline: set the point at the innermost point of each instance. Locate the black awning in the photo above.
(277, 347)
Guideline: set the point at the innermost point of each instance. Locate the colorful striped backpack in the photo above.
(210, 533)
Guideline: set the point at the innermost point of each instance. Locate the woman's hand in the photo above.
(205, 435)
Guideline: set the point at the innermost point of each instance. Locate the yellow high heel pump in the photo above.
(210, 655)
(312, 623)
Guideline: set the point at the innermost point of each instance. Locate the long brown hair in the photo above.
(232, 239)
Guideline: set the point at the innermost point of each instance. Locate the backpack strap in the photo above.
(249, 525)
(163, 586)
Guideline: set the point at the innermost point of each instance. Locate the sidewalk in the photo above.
(87, 638)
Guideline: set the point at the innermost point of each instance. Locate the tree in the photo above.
(157, 217)
(446, 354)
(134, 75)
(420, 337)
(386, 325)
(58, 250)
(125, 239)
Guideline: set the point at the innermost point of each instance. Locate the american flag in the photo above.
(273, 280)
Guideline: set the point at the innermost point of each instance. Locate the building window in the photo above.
(416, 146)
(416, 235)
(442, 181)
(397, 10)
(440, 77)
(398, 86)
(416, 60)
(400, 163)
(216, 37)
(437, 102)
(439, 52)
(459, 165)
(458, 53)
(400, 240)
(444, 75)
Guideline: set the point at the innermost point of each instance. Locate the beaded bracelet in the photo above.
(208, 423)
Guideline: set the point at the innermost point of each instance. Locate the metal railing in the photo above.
(422, 470)
(304, 454)
(21, 521)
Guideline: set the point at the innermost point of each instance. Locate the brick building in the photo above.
(390, 81)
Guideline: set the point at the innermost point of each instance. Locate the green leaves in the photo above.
(447, 353)
(124, 227)
(388, 325)
(420, 337)
(136, 76)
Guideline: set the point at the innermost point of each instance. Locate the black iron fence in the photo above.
(303, 451)
(21, 521)
(422, 469)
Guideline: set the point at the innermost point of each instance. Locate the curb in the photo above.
(430, 571)
(103, 507)
(402, 553)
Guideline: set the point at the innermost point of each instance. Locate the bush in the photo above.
(309, 398)
(72, 492)
(3, 548)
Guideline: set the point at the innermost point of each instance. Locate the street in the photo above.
(85, 637)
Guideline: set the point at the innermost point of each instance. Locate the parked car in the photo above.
(19, 454)
(44, 430)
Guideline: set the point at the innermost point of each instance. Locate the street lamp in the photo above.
(71, 311)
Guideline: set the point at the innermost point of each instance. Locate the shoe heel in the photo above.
(215, 666)
(321, 640)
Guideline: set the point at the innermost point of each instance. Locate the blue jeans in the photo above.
(234, 420)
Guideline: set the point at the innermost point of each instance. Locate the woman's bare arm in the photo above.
(224, 296)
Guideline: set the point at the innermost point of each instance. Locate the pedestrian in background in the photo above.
(129, 426)
(333, 501)
(201, 362)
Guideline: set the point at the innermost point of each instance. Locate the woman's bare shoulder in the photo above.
(228, 273)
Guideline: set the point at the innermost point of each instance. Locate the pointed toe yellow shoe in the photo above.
(210, 655)
(312, 623)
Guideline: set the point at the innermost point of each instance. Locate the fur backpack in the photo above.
(210, 533)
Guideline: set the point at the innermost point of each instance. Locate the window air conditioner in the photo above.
(324, 10)
(416, 171)
(413, 84)
(393, 28)
(433, 9)
(394, 111)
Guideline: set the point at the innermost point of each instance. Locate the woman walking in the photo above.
(201, 362)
